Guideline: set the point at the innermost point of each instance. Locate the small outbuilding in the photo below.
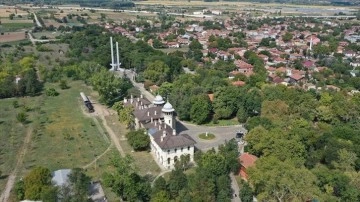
(246, 161)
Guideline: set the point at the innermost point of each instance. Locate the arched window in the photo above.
(175, 159)
(182, 149)
(188, 148)
(168, 151)
(169, 160)
(175, 150)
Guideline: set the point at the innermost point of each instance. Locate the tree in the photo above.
(79, 183)
(177, 182)
(157, 72)
(125, 182)
(139, 139)
(36, 182)
(110, 88)
(51, 92)
(225, 102)
(230, 151)
(200, 108)
(125, 114)
(246, 193)
(195, 45)
(159, 186)
(161, 196)
(276, 180)
(287, 37)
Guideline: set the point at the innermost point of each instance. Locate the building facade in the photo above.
(158, 119)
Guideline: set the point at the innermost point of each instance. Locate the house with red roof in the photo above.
(246, 161)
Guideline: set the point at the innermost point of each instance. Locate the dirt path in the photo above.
(101, 112)
(20, 159)
(98, 157)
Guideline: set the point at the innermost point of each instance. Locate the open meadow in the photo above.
(65, 137)
(12, 132)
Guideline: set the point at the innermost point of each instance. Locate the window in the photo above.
(175, 159)
(182, 149)
(189, 148)
(175, 150)
(169, 160)
(168, 151)
(169, 121)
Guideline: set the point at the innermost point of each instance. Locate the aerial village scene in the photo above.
(179, 101)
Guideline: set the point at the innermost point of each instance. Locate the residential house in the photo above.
(246, 161)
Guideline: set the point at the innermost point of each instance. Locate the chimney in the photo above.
(141, 96)
(125, 100)
(138, 99)
(164, 133)
(165, 126)
(136, 104)
(174, 131)
(155, 112)
(155, 123)
(117, 57)
(159, 127)
(112, 53)
(152, 120)
(131, 98)
(148, 113)
(162, 138)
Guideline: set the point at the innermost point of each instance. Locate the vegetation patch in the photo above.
(206, 136)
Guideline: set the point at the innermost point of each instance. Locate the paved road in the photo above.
(235, 188)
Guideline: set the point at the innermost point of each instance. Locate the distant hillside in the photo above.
(90, 3)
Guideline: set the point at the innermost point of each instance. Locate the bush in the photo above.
(51, 92)
(138, 140)
(16, 104)
(63, 84)
(21, 117)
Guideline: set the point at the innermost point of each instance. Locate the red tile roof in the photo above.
(247, 160)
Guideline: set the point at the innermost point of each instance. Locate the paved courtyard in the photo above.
(222, 133)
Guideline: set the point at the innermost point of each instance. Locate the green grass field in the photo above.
(11, 27)
(143, 160)
(12, 132)
(65, 137)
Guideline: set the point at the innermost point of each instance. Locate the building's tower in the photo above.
(158, 101)
(168, 112)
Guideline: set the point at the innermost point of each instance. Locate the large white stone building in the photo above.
(158, 119)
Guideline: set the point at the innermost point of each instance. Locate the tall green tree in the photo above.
(200, 108)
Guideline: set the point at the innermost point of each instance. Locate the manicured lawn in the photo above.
(205, 136)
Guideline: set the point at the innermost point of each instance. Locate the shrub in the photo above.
(51, 92)
(21, 117)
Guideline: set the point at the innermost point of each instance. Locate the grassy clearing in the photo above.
(65, 137)
(208, 136)
(141, 158)
(12, 133)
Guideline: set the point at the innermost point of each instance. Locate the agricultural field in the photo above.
(12, 36)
